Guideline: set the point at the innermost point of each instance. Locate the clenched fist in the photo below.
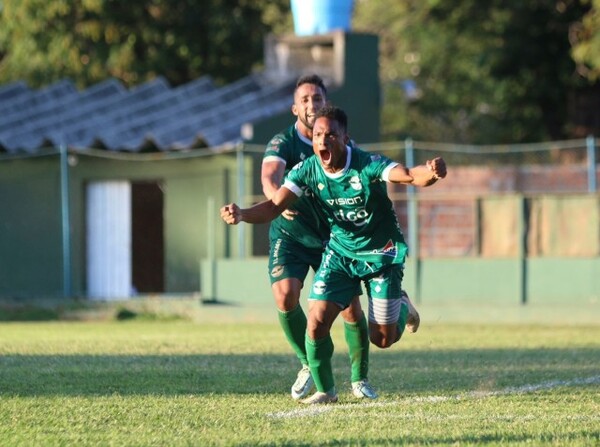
(231, 214)
(437, 166)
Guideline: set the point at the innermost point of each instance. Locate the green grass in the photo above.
(179, 383)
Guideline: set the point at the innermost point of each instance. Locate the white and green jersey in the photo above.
(308, 227)
(355, 201)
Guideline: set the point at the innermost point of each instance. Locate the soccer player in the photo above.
(297, 240)
(366, 243)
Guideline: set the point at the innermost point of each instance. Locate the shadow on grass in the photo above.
(20, 312)
(405, 373)
(491, 438)
(29, 313)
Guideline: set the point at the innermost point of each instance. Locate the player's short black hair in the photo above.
(311, 79)
(333, 113)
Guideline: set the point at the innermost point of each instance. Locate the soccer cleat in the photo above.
(364, 390)
(414, 320)
(321, 398)
(303, 384)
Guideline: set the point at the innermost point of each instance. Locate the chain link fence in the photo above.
(536, 199)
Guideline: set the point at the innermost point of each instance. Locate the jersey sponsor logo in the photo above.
(355, 183)
(277, 271)
(276, 248)
(345, 201)
(389, 249)
(319, 287)
(358, 217)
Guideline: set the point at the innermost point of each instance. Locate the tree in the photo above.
(485, 72)
(90, 40)
(451, 70)
(586, 43)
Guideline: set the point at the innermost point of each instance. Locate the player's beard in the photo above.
(309, 122)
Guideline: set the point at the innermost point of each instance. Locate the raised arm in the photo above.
(421, 175)
(262, 212)
(271, 175)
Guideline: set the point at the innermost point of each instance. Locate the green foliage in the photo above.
(486, 72)
(125, 313)
(91, 40)
(28, 313)
(586, 48)
(491, 72)
(182, 384)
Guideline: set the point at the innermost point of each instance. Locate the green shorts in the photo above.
(339, 279)
(289, 259)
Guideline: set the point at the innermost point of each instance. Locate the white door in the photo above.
(108, 225)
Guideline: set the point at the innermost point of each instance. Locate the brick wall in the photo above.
(448, 213)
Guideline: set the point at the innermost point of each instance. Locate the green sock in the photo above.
(293, 324)
(357, 337)
(319, 353)
(402, 319)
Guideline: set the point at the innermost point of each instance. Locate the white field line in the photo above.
(315, 410)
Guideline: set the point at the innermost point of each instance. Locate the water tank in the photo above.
(321, 16)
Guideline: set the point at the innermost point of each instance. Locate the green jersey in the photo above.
(355, 201)
(308, 227)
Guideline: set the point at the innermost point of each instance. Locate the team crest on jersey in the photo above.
(274, 144)
(319, 287)
(302, 156)
(320, 186)
(375, 157)
(277, 271)
(355, 183)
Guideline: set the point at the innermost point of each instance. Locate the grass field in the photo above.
(187, 383)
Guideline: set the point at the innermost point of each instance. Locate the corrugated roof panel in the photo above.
(137, 130)
(45, 99)
(220, 115)
(248, 109)
(230, 130)
(95, 117)
(151, 115)
(54, 121)
(11, 92)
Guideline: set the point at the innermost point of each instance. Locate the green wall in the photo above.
(465, 280)
(360, 94)
(190, 185)
(30, 228)
(31, 262)
(563, 280)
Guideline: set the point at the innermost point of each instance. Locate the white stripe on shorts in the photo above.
(384, 311)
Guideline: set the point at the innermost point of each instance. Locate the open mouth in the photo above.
(325, 155)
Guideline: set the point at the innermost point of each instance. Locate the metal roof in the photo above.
(154, 114)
